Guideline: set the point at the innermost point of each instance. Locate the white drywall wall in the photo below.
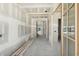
(53, 26)
(56, 16)
(13, 40)
(51, 30)
(33, 27)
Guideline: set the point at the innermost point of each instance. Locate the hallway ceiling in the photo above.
(36, 7)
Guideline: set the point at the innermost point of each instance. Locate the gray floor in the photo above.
(42, 47)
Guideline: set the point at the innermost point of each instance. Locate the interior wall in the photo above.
(53, 28)
(55, 25)
(33, 27)
(13, 17)
(13, 40)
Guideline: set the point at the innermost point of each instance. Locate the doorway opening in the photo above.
(59, 29)
(40, 28)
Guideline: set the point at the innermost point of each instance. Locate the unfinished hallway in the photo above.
(39, 29)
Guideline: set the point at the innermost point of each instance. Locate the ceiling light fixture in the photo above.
(46, 11)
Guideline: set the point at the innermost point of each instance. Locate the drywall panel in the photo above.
(51, 30)
(56, 16)
(13, 39)
(4, 29)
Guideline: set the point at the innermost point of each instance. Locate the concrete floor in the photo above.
(42, 47)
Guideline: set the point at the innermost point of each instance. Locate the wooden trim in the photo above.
(77, 41)
(65, 10)
(67, 29)
(56, 8)
(75, 29)
(68, 9)
(62, 32)
(70, 6)
(63, 25)
(69, 38)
